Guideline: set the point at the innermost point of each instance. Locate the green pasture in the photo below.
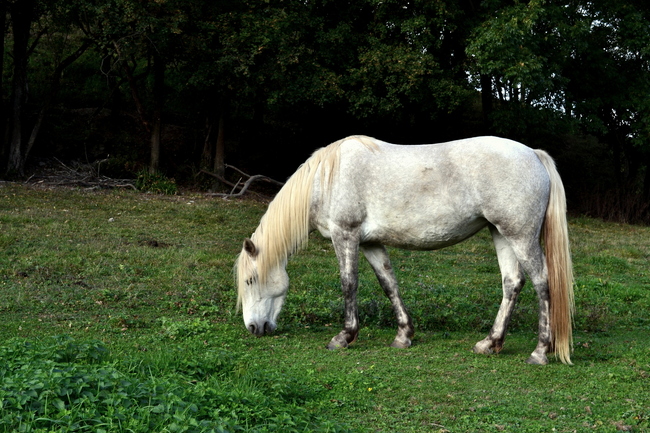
(118, 315)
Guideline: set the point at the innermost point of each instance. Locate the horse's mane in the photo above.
(284, 228)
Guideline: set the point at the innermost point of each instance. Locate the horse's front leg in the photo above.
(346, 245)
(380, 262)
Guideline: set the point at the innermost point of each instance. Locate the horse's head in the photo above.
(261, 292)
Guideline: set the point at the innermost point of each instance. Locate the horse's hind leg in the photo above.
(531, 257)
(380, 262)
(513, 280)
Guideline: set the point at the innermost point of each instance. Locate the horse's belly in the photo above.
(424, 236)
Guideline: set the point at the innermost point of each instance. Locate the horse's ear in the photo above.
(250, 248)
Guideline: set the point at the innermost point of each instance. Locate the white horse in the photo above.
(363, 193)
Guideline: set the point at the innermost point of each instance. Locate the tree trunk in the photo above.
(220, 153)
(3, 114)
(159, 102)
(154, 163)
(22, 14)
(54, 90)
(206, 155)
(128, 71)
(646, 180)
(486, 99)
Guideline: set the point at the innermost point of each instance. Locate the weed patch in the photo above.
(64, 385)
(175, 329)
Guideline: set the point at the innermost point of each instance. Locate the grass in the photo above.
(118, 315)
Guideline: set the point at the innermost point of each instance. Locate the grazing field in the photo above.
(117, 312)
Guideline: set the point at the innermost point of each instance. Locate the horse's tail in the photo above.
(558, 261)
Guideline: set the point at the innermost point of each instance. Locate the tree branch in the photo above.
(244, 188)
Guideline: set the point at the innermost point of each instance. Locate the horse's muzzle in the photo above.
(260, 329)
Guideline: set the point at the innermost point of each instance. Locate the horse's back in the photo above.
(431, 196)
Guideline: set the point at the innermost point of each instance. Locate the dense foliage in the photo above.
(61, 385)
(176, 86)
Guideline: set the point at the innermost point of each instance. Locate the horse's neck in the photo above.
(285, 227)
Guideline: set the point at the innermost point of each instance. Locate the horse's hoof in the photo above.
(332, 346)
(481, 351)
(401, 344)
(336, 344)
(537, 359)
(483, 348)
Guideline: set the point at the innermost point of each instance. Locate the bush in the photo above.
(155, 183)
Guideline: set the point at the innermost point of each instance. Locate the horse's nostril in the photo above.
(259, 329)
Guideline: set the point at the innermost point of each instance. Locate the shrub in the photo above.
(155, 183)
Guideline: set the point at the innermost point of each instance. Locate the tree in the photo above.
(140, 40)
(517, 59)
(249, 59)
(37, 23)
(22, 14)
(579, 62)
(609, 80)
(408, 63)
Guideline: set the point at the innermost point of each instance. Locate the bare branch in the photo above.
(79, 175)
(244, 188)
